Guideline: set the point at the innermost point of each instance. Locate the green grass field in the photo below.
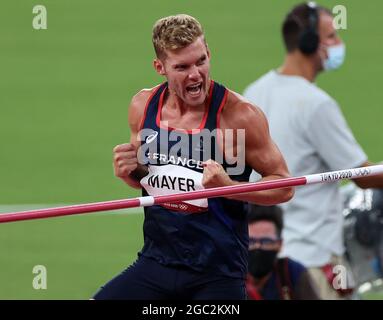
(64, 94)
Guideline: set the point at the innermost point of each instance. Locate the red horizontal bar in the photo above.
(136, 202)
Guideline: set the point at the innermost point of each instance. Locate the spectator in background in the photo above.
(269, 277)
(310, 130)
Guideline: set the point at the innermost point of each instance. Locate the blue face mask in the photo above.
(335, 57)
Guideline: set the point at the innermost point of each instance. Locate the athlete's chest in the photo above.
(175, 164)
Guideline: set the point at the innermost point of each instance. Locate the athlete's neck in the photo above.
(297, 64)
(175, 113)
(175, 103)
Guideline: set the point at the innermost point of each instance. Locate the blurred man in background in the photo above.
(309, 128)
(269, 277)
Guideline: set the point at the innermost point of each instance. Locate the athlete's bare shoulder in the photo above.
(141, 98)
(240, 113)
(138, 105)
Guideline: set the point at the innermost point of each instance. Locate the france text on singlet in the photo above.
(207, 235)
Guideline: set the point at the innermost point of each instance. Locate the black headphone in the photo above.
(309, 38)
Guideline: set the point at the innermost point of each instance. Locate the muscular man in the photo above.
(180, 131)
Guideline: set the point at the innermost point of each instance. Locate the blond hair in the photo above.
(175, 32)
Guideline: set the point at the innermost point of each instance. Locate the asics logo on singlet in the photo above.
(199, 146)
(151, 137)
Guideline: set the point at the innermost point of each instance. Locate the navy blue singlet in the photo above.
(204, 235)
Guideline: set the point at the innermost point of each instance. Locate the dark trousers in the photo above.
(146, 279)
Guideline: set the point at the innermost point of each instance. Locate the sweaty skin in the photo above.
(261, 152)
(184, 109)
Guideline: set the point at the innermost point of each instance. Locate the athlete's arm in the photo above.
(261, 153)
(126, 164)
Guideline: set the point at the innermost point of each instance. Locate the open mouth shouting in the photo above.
(194, 90)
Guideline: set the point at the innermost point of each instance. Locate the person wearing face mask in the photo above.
(270, 277)
(312, 134)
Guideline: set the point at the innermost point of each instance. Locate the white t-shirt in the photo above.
(313, 136)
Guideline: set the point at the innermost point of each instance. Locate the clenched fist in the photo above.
(125, 160)
(215, 176)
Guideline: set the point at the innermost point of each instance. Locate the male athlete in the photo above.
(195, 249)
